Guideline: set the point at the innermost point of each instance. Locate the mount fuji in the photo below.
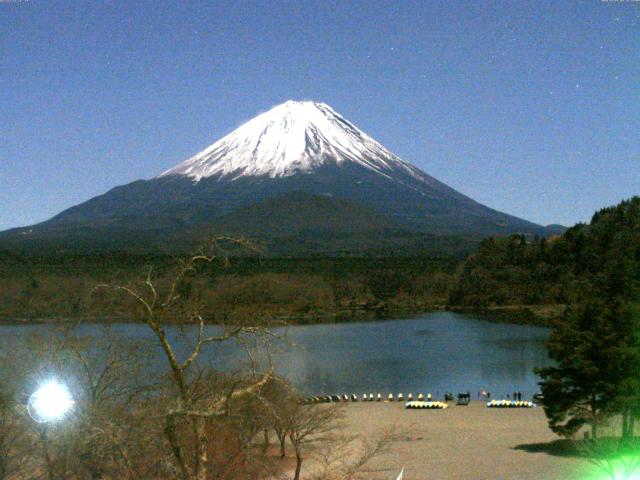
(299, 178)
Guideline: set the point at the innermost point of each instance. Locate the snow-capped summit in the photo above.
(290, 138)
(298, 179)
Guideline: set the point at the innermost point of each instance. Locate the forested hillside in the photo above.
(305, 289)
(560, 270)
(514, 272)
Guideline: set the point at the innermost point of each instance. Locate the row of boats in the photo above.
(510, 404)
(422, 401)
(365, 398)
(417, 405)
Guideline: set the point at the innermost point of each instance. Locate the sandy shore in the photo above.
(472, 442)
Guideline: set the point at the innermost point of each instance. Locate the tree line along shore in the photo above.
(515, 279)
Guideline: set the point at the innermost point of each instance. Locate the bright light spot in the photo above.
(623, 468)
(51, 402)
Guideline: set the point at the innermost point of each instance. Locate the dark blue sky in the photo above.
(532, 108)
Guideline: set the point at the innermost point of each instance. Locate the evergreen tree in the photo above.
(596, 348)
(624, 397)
(577, 388)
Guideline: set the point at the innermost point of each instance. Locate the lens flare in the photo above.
(50, 402)
(616, 468)
(624, 470)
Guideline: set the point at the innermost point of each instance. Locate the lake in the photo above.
(434, 352)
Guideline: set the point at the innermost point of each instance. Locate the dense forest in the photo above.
(560, 270)
(596, 343)
(304, 289)
(515, 273)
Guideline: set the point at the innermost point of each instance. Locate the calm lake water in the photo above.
(434, 352)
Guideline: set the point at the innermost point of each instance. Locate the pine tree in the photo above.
(576, 389)
(596, 348)
(624, 397)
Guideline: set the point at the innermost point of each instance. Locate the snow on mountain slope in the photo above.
(299, 171)
(290, 138)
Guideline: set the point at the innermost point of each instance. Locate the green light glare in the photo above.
(621, 468)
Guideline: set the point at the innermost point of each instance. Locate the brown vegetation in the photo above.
(44, 293)
(184, 421)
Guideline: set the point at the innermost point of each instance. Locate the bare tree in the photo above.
(13, 436)
(309, 425)
(110, 392)
(190, 411)
(345, 457)
(282, 407)
(95, 440)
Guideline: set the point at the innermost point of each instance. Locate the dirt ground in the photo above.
(465, 442)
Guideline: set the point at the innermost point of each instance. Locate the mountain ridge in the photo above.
(294, 147)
